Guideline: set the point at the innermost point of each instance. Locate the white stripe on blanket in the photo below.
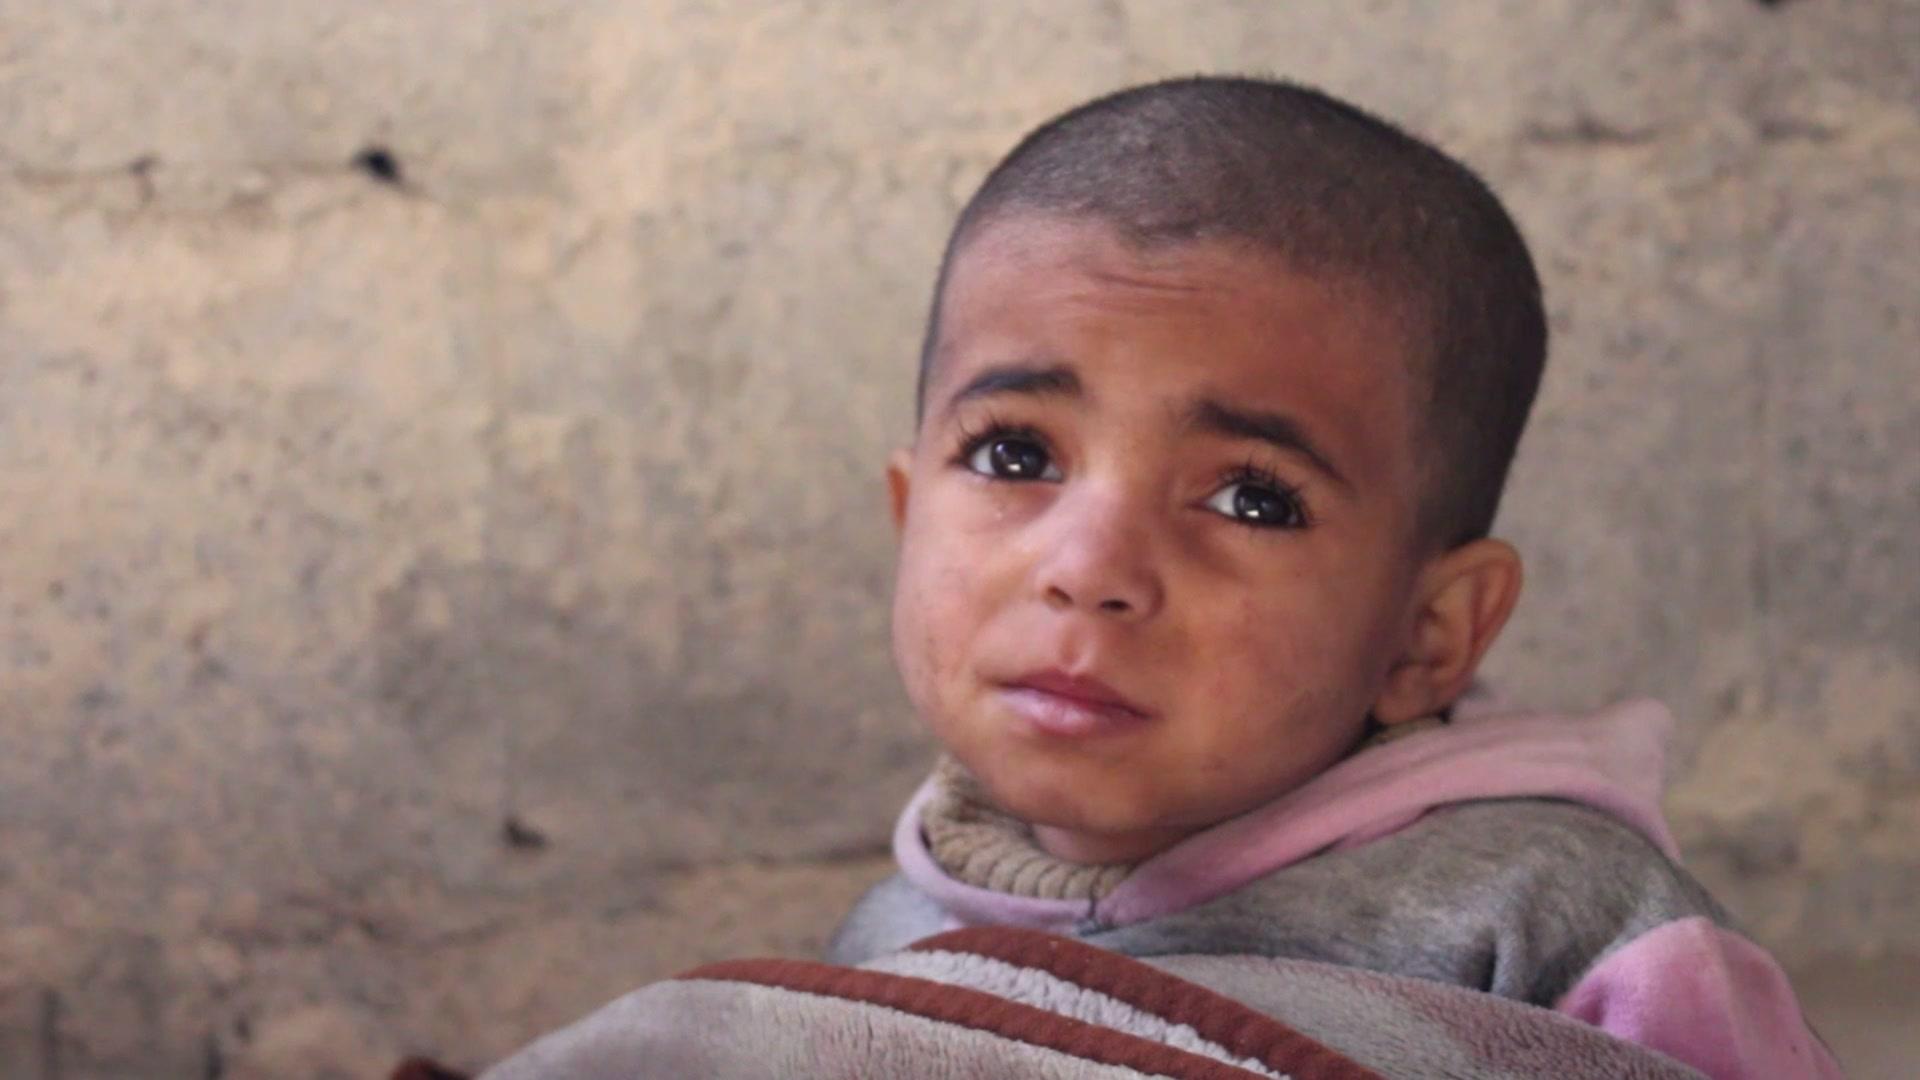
(1044, 990)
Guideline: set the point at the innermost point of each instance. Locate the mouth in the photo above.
(1057, 704)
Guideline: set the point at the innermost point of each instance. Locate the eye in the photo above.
(1259, 500)
(1011, 455)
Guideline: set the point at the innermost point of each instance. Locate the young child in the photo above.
(1217, 399)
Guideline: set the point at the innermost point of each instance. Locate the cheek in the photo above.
(1282, 625)
(1290, 644)
(932, 613)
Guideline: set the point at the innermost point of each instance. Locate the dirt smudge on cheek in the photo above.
(1213, 764)
(938, 620)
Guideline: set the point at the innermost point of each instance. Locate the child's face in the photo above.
(1157, 529)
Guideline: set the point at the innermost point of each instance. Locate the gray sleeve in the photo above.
(1517, 897)
(891, 916)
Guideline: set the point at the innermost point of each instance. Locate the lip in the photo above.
(1056, 703)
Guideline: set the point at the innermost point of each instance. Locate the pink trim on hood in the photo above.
(1706, 996)
(1612, 760)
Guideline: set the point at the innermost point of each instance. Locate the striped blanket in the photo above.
(998, 1002)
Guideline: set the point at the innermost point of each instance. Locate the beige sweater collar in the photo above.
(979, 844)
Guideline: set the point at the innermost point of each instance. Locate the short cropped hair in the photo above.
(1332, 191)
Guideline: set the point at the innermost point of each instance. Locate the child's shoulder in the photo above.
(1517, 896)
(1525, 854)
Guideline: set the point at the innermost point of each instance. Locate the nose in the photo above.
(1099, 558)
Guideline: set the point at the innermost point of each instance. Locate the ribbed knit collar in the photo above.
(979, 844)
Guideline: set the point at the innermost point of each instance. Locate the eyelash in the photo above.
(1251, 472)
(972, 440)
(1247, 472)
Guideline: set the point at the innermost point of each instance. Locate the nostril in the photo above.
(1119, 607)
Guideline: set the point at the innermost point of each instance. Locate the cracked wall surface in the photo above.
(443, 564)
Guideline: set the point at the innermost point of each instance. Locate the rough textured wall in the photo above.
(440, 592)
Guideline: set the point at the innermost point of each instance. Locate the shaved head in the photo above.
(1332, 192)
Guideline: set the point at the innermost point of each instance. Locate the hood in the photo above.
(1612, 760)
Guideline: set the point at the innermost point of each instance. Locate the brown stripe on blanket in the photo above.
(1242, 1031)
(979, 1010)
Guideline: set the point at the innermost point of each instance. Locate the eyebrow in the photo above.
(1277, 430)
(1055, 380)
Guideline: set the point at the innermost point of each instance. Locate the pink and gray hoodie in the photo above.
(1519, 853)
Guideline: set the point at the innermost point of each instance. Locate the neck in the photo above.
(1102, 848)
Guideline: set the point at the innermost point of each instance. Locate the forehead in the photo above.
(1204, 319)
(1018, 275)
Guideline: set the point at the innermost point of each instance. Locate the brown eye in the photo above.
(1259, 505)
(1012, 457)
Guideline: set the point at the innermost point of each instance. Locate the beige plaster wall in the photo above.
(430, 608)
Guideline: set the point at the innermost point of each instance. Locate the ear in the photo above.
(900, 484)
(1462, 598)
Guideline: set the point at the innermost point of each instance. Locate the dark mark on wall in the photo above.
(418, 1068)
(50, 1034)
(380, 163)
(95, 698)
(216, 1066)
(1585, 130)
(518, 834)
(1776, 130)
(142, 169)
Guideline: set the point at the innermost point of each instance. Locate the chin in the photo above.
(1066, 798)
